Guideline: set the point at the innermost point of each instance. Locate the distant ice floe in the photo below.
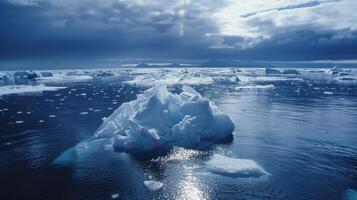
(115, 196)
(255, 87)
(20, 89)
(233, 167)
(169, 79)
(60, 78)
(160, 119)
(153, 185)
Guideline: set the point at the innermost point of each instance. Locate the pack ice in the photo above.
(160, 119)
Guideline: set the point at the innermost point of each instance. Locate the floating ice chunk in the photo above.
(234, 167)
(255, 87)
(19, 122)
(19, 89)
(7, 143)
(115, 196)
(328, 92)
(160, 119)
(83, 113)
(52, 116)
(153, 185)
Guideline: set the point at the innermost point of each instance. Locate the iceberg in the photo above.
(153, 185)
(25, 75)
(19, 89)
(233, 167)
(159, 120)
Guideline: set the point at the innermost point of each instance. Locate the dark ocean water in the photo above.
(305, 138)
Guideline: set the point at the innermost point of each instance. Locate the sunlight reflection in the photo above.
(191, 189)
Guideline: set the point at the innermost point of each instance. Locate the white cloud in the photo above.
(260, 20)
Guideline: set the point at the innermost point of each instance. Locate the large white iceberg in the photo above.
(160, 119)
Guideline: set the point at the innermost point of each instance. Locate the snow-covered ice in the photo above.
(153, 185)
(328, 92)
(61, 78)
(160, 119)
(255, 87)
(20, 89)
(234, 167)
(169, 79)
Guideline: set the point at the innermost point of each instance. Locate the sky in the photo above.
(56, 33)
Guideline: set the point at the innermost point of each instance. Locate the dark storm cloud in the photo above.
(55, 32)
(42, 31)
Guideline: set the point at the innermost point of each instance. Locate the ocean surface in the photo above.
(302, 132)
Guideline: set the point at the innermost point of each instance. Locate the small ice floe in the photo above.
(19, 122)
(84, 113)
(97, 110)
(19, 112)
(233, 167)
(41, 121)
(153, 185)
(20, 89)
(256, 87)
(7, 143)
(52, 116)
(115, 196)
(350, 194)
(328, 92)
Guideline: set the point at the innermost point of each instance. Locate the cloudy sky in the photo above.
(73, 32)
